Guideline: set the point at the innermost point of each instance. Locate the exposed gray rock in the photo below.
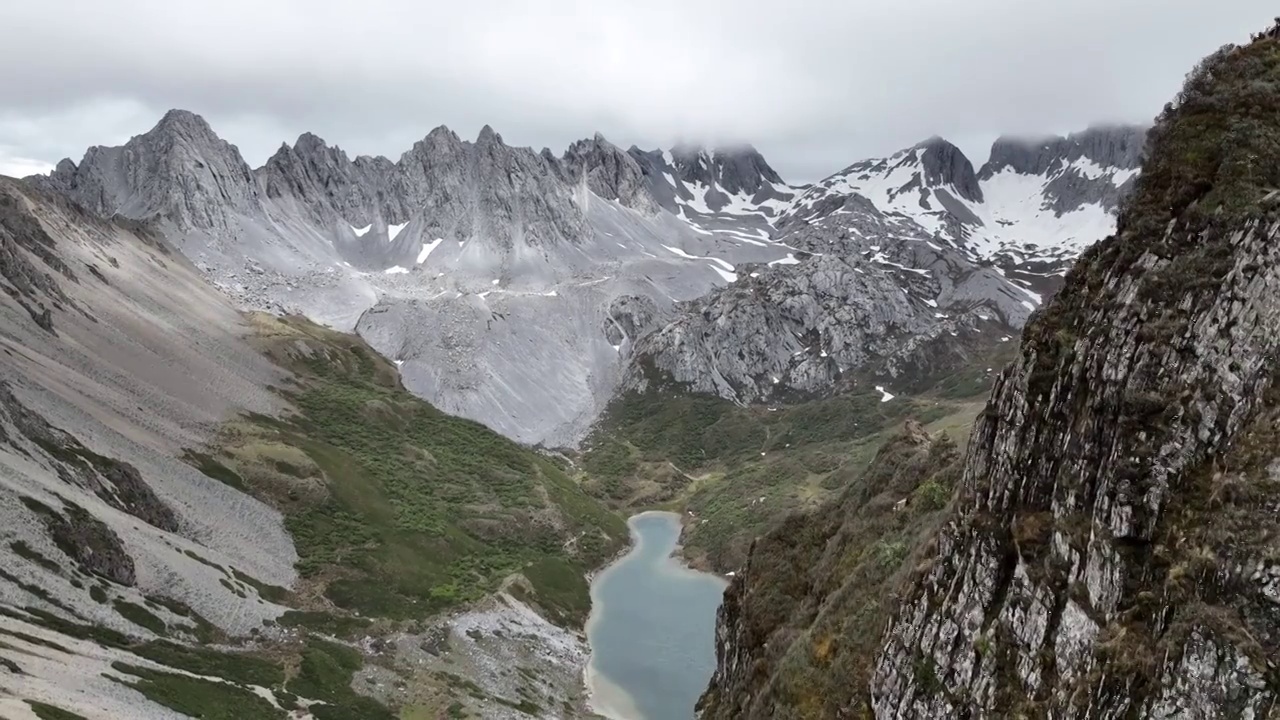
(1069, 188)
(799, 329)
(335, 188)
(653, 166)
(180, 171)
(31, 287)
(88, 541)
(116, 483)
(630, 317)
(945, 165)
(609, 172)
(690, 179)
(451, 223)
(1031, 209)
(488, 191)
(1118, 146)
(1051, 595)
(743, 171)
(1112, 553)
(94, 417)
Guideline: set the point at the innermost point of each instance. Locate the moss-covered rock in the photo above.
(87, 540)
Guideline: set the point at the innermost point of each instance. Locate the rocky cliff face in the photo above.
(514, 258)
(867, 292)
(1093, 570)
(1075, 165)
(801, 329)
(1110, 554)
(608, 171)
(1117, 146)
(333, 186)
(180, 171)
(905, 259)
(454, 189)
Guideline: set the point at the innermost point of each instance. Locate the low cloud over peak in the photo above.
(812, 84)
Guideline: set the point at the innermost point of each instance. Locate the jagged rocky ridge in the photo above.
(866, 293)
(516, 259)
(1109, 555)
(904, 267)
(519, 260)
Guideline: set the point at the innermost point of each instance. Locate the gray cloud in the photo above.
(814, 84)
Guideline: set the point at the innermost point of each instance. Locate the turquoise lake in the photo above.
(652, 628)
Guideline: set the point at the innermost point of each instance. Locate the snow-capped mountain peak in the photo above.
(728, 188)
(929, 182)
(1034, 206)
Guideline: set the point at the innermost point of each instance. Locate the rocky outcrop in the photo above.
(1110, 554)
(95, 548)
(1118, 146)
(851, 304)
(493, 237)
(1073, 183)
(1078, 580)
(945, 164)
(336, 188)
(180, 171)
(630, 317)
(1032, 209)
(792, 329)
(488, 190)
(459, 190)
(693, 178)
(114, 482)
(743, 170)
(608, 171)
(32, 287)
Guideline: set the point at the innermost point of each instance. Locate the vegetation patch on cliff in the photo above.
(803, 619)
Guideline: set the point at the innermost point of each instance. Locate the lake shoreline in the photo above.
(655, 582)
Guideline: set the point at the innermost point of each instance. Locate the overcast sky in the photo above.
(813, 84)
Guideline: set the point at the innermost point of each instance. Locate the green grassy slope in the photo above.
(821, 586)
(740, 470)
(397, 509)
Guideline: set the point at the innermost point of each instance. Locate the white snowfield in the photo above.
(1014, 219)
(1013, 216)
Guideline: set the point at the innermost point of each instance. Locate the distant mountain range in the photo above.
(520, 288)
